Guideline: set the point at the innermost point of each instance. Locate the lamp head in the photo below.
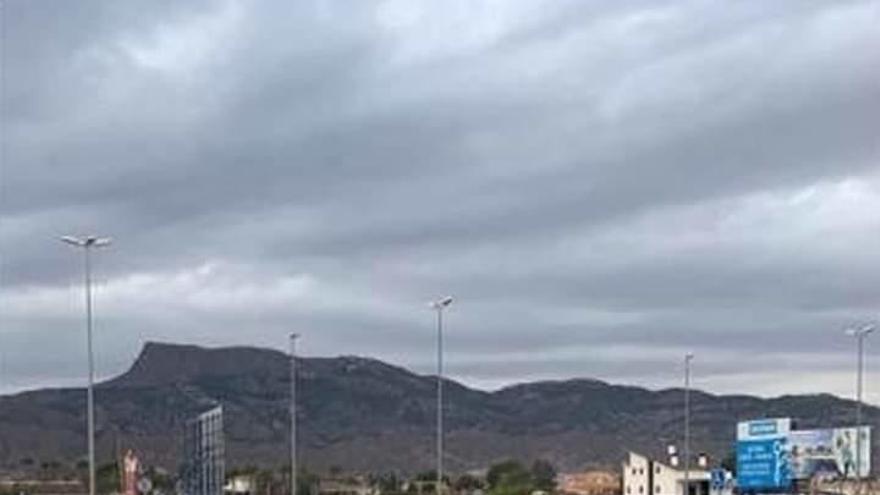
(99, 241)
(861, 330)
(89, 241)
(442, 303)
(73, 241)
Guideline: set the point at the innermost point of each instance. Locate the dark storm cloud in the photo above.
(620, 181)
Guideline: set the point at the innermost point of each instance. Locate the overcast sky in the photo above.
(603, 186)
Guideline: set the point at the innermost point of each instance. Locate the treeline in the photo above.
(504, 478)
(107, 478)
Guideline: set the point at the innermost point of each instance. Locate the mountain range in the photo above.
(361, 414)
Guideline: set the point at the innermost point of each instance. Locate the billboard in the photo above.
(762, 460)
(770, 455)
(830, 452)
(204, 466)
(763, 464)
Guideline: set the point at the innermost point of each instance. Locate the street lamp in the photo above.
(860, 333)
(87, 244)
(293, 467)
(439, 306)
(687, 421)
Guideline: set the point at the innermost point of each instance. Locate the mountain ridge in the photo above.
(364, 414)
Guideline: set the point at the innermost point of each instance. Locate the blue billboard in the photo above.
(763, 464)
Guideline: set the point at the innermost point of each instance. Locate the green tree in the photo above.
(264, 480)
(387, 483)
(429, 479)
(162, 480)
(543, 476)
(306, 482)
(509, 478)
(496, 471)
(107, 478)
(467, 482)
(426, 476)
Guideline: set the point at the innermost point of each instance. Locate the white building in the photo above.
(242, 484)
(643, 476)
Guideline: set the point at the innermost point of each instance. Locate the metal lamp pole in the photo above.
(439, 306)
(293, 466)
(687, 421)
(87, 244)
(860, 334)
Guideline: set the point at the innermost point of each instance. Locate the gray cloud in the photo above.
(603, 186)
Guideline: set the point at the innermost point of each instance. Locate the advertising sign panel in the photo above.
(829, 452)
(762, 461)
(763, 464)
(763, 428)
(770, 455)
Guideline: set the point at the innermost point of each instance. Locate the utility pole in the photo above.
(687, 421)
(860, 334)
(439, 306)
(87, 244)
(293, 466)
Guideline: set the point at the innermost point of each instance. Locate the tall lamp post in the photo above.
(439, 306)
(860, 334)
(87, 244)
(687, 421)
(293, 466)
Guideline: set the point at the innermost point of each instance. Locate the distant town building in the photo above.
(352, 485)
(242, 484)
(204, 467)
(643, 476)
(590, 483)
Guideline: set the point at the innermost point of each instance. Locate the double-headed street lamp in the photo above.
(860, 333)
(439, 306)
(87, 244)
